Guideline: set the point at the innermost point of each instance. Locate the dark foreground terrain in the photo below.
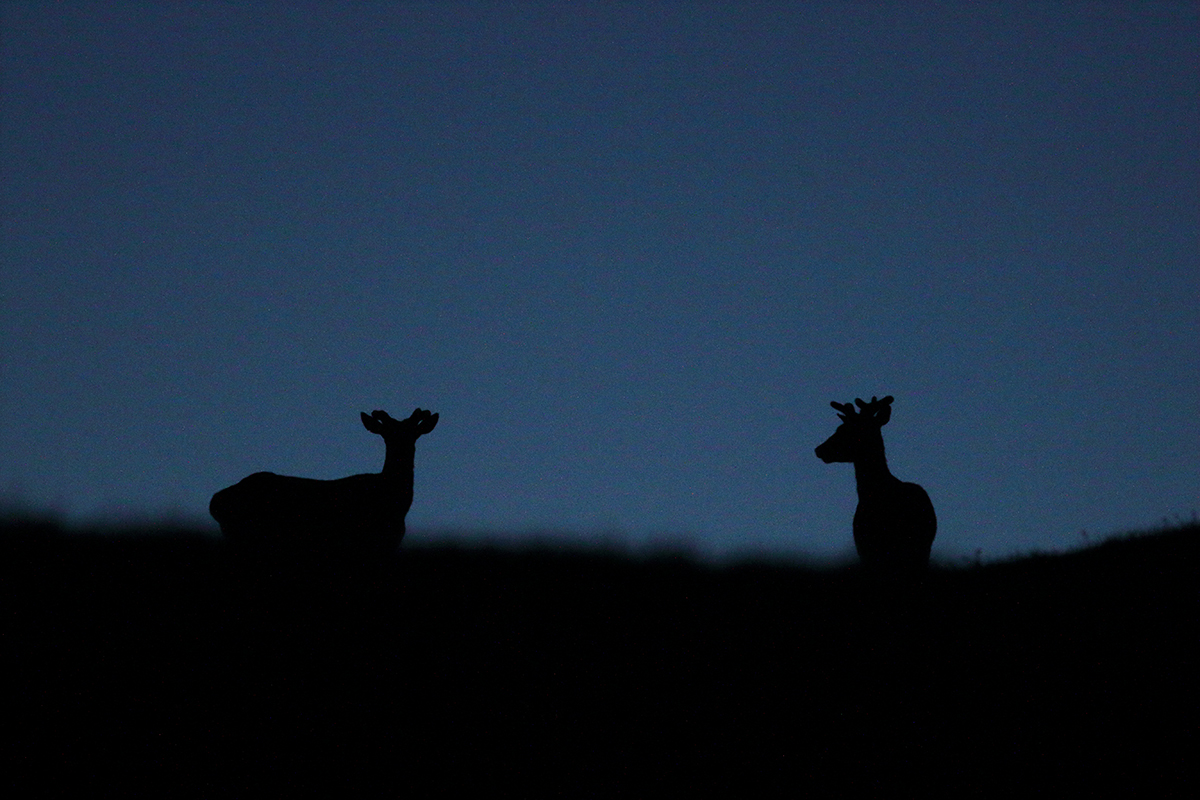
(137, 661)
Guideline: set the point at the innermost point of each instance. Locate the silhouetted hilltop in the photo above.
(176, 659)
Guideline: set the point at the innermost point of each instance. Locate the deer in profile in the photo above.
(894, 524)
(361, 512)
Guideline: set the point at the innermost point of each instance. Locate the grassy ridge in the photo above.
(176, 659)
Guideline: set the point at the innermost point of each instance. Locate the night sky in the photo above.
(629, 252)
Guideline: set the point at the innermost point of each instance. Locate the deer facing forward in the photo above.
(358, 512)
(894, 524)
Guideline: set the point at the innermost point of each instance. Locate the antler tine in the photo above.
(875, 402)
(845, 408)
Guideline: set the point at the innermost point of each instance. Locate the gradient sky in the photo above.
(630, 253)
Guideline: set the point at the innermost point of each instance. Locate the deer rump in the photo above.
(283, 512)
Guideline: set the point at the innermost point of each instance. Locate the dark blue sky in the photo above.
(629, 253)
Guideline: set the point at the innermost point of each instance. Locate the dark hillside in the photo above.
(172, 658)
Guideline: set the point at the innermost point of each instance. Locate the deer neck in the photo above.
(871, 472)
(398, 463)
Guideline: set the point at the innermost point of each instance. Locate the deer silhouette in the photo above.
(361, 512)
(894, 524)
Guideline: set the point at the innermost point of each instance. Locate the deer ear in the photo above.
(429, 423)
(371, 424)
(883, 415)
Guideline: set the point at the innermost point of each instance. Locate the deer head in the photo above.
(859, 433)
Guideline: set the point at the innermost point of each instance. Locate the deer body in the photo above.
(894, 524)
(358, 512)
